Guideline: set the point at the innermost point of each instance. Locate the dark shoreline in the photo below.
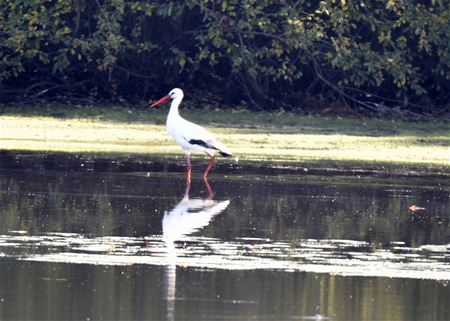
(102, 162)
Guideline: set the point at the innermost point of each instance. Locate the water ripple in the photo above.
(338, 257)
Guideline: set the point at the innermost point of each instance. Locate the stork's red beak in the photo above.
(161, 101)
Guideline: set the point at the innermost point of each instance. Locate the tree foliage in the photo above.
(371, 54)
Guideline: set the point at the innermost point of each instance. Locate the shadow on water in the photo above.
(81, 243)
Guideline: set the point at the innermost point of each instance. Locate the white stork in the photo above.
(191, 137)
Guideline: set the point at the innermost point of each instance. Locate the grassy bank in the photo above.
(275, 137)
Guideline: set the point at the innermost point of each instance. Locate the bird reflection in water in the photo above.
(187, 217)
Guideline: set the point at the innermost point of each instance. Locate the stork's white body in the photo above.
(191, 137)
(184, 132)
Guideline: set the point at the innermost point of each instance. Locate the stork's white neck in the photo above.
(175, 103)
(173, 112)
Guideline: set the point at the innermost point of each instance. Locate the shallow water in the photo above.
(87, 240)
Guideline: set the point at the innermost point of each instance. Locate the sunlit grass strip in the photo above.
(87, 135)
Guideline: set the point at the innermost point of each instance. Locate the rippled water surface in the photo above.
(86, 239)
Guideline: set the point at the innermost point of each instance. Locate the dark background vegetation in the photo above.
(380, 57)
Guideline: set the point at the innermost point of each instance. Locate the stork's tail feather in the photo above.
(225, 154)
(223, 150)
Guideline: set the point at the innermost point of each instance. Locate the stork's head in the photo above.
(175, 93)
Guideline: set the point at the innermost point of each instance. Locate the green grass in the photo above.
(251, 136)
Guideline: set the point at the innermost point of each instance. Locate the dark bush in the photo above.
(376, 55)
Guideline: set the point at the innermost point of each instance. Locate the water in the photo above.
(84, 239)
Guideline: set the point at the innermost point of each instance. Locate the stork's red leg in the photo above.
(210, 165)
(188, 177)
(208, 187)
(186, 193)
